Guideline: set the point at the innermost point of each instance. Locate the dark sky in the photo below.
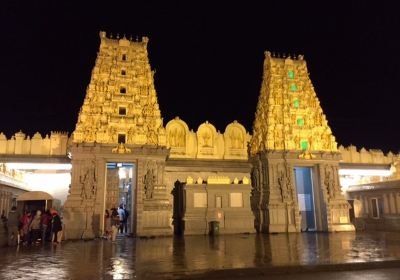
(208, 59)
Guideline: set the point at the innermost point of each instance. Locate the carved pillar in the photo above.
(79, 207)
(154, 209)
(6, 199)
(256, 194)
(398, 202)
(392, 203)
(275, 199)
(386, 209)
(337, 207)
(2, 206)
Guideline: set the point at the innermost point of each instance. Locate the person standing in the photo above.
(12, 224)
(55, 225)
(46, 225)
(114, 224)
(107, 225)
(34, 227)
(125, 221)
(25, 222)
(121, 214)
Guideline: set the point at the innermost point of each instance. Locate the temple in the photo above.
(285, 177)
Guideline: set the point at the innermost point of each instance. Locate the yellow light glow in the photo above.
(122, 173)
(366, 172)
(39, 166)
(56, 184)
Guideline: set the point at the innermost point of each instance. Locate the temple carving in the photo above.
(207, 142)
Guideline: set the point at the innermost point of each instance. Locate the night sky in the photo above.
(208, 60)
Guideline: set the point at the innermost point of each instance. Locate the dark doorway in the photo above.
(178, 210)
(305, 197)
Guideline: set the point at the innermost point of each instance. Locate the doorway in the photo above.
(120, 192)
(305, 197)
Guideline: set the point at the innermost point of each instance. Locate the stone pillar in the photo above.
(366, 206)
(337, 207)
(79, 207)
(392, 203)
(398, 202)
(154, 211)
(1, 201)
(275, 200)
(386, 206)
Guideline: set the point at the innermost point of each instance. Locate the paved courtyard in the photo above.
(201, 257)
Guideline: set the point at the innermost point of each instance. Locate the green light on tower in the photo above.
(300, 121)
(294, 88)
(304, 145)
(291, 74)
(296, 103)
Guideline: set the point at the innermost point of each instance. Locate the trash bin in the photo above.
(214, 228)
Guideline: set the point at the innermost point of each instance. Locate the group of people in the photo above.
(34, 227)
(114, 222)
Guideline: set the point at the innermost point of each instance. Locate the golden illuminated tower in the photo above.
(289, 115)
(121, 102)
(119, 122)
(294, 154)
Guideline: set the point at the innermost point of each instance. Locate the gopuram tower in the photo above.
(294, 154)
(119, 125)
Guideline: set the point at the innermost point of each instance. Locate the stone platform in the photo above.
(203, 257)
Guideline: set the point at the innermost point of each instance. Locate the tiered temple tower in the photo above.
(121, 102)
(119, 122)
(295, 158)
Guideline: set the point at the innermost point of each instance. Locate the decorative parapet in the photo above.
(352, 155)
(218, 180)
(20, 144)
(371, 157)
(207, 142)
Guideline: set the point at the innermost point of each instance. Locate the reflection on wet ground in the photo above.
(168, 257)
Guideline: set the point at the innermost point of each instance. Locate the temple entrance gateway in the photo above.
(305, 197)
(291, 132)
(120, 190)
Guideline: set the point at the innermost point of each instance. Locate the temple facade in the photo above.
(169, 178)
(173, 179)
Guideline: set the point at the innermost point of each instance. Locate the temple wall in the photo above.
(210, 191)
(20, 144)
(376, 206)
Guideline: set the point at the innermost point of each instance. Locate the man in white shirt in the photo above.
(121, 214)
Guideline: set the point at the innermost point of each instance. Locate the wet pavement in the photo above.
(198, 256)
